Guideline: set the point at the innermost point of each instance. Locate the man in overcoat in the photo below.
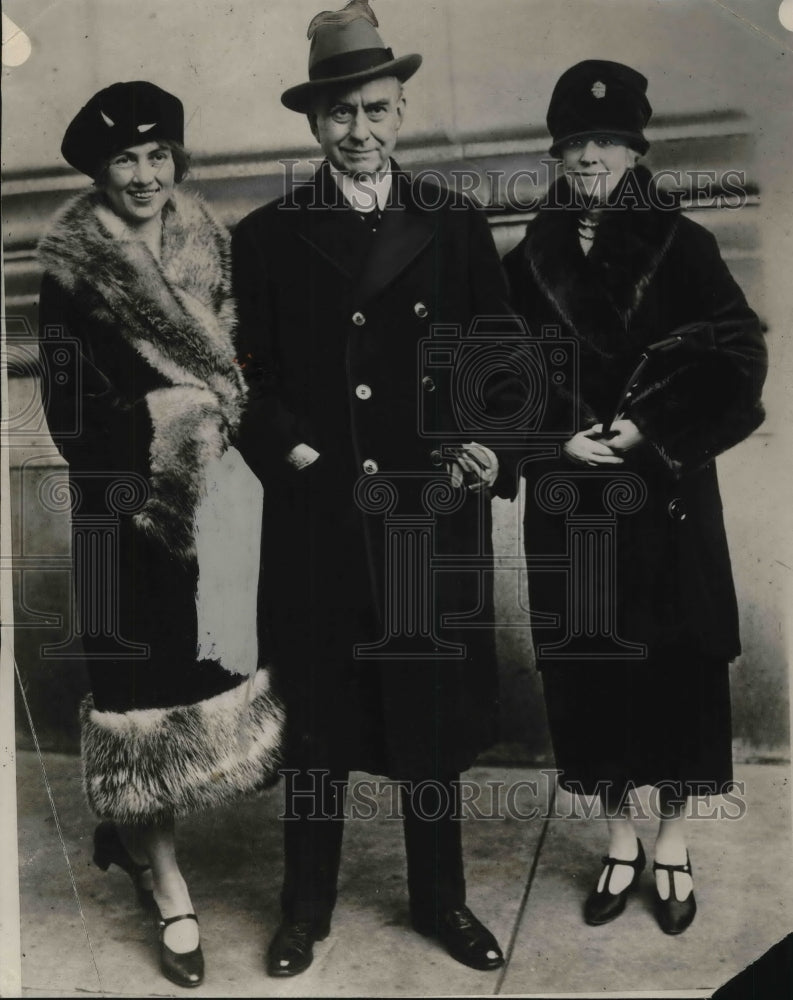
(339, 285)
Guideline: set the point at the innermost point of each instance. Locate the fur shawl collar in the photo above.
(176, 313)
(597, 295)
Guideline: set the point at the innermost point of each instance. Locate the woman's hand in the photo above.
(625, 435)
(588, 448)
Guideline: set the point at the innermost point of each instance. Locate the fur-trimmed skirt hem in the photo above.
(150, 764)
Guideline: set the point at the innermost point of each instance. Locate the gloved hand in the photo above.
(474, 466)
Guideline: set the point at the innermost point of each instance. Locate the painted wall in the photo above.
(489, 65)
(482, 91)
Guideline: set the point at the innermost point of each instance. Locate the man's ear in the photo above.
(312, 124)
(400, 109)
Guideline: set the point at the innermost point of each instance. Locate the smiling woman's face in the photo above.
(138, 181)
(596, 164)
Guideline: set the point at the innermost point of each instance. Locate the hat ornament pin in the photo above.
(598, 89)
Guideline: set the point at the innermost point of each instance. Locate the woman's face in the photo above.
(139, 181)
(596, 164)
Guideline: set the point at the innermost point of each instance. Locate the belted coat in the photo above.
(335, 329)
(662, 580)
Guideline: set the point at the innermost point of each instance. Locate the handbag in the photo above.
(687, 341)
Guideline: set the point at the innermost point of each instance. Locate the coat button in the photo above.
(428, 383)
(370, 466)
(436, 457)
(420, 310)
(676, 509)
(363, 391)
(358, 318)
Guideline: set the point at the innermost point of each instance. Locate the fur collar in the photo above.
(597, 295)
(176, 313)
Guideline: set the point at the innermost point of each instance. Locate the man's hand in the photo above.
(301, 456)
(587, 448)
(474, 466)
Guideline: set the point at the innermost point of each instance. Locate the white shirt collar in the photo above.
(361, 193)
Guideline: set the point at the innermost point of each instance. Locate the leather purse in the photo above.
(688, 341)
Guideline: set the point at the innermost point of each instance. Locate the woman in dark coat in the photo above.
(143, 397)
(635, 633)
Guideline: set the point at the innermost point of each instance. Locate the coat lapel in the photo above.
(327, 223)
(402, 235)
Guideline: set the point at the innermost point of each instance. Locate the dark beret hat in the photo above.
(122, 115)
(597, 96)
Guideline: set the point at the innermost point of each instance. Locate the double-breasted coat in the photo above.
(648, 582)
(335, 328)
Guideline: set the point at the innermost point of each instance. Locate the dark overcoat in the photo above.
(665, 582)
(335, 324)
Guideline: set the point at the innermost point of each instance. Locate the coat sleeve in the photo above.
(94, 423)
(507, 390)
(269, 429)
(706, 397)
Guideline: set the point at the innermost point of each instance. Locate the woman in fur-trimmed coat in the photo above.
(136, 297)
(634, 615)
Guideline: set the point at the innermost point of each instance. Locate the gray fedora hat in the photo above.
(345, 51)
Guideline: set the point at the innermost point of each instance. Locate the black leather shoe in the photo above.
(674, 915)
(602, 907)
(182, 968)
(291, 951)
(464, 937)
(109, 850)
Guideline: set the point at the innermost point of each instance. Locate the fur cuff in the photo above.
(698, 412)
(150, 764)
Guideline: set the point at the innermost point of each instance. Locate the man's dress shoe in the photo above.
(291, 951)
(464, 937)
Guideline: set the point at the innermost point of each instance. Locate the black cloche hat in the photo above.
(595, 97)
(346, 48)
(124, 114)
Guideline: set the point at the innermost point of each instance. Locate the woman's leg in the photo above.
(130, 837)
(670, 847)
(154, 844)
(623, 844)
(621, 869)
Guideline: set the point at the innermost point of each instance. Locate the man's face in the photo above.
(596, 165)
(358, 128)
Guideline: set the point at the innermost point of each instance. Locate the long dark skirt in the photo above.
(620, 725)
